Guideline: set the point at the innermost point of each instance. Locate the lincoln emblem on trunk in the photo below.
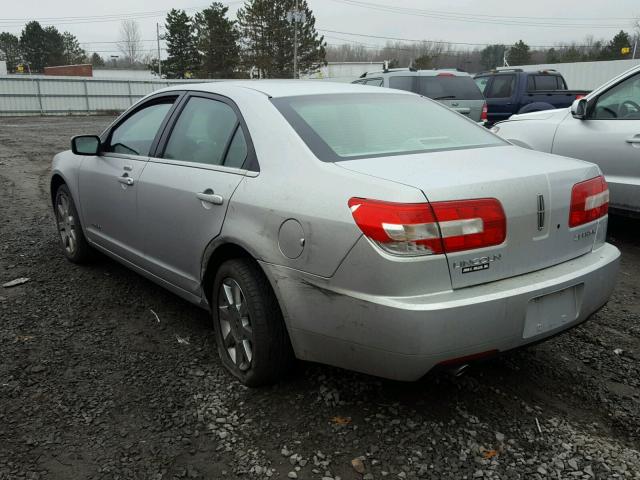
(541, 212)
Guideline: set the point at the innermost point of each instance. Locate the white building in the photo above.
(585, 75)
(343, 71)
(123, 74)
(3, 67)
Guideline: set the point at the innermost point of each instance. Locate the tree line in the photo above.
(444, 55)
(260, 43)
(38, 47)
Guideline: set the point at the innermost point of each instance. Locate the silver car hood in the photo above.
(517, 178)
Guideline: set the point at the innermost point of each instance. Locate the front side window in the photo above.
(349, 126)
(621, 102)
(374, 82)
(502, 86)
(203, 134)
(135, 135)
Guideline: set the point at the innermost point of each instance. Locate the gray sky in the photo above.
(540, 22)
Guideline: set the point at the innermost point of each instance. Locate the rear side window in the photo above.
(502, 86)
(545, 82)
(135, 135)
(204, 133)
(451, 87)
(407, 84)
(347, 126)
(481, 82)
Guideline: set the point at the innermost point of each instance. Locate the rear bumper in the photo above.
(404, 337)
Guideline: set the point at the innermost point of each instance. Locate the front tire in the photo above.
(74, 244)
(251, 335)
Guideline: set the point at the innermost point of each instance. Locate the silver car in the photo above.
(367, 228)
(603, 128)
(455, 89)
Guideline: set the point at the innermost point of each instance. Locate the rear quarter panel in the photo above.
(294, 184)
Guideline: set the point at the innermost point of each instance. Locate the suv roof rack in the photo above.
(495, 70)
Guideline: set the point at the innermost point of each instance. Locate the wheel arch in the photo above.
(56, 181)
(216, 254)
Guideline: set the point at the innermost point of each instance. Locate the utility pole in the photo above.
(635, 44)
(295, 16)
(295, 42)
(158, 42)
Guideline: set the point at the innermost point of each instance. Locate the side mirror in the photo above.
(579, 108)
(85, 145)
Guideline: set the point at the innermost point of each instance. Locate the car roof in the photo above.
(283, 88)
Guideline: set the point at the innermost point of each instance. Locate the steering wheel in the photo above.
(625, 111)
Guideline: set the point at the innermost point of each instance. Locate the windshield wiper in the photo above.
(446, 97)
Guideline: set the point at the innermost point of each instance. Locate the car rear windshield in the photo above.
(350, 126)
(440, 87)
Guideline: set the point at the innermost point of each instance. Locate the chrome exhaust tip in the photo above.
(459, 370)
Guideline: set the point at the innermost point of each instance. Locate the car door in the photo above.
(610, 137)
(108, 182)
(500, 93)
(186, 186)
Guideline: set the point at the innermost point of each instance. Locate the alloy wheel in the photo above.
(235, 324)
(66, 223)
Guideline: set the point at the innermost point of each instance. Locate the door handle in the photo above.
(210, 197)
(635, 139)
(126, 180)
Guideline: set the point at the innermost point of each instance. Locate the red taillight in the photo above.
(485, 111)
(424, 229)
(578, 97)
(445, 75)
(470, 224)
(589, 201)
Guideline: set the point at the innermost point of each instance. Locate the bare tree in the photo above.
(130, 43)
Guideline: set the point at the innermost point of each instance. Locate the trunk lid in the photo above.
(534, 189)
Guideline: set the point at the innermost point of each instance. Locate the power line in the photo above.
(543, 22)
(48, 21)
(572, 18)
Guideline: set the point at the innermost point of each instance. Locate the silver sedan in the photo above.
(366, 228)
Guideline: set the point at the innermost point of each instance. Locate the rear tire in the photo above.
(74, 244)
(251, 336)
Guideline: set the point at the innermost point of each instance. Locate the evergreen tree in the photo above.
(73, 54)
(613, 50)
(33, 44)
(10, 50)
(423, 62)
(519, 54)
(182, 57)
(217, 42)
(268, 37)
(492, 56)
(55, 47)
(552, 56)
(96, 60)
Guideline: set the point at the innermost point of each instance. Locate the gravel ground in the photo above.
(93, 386)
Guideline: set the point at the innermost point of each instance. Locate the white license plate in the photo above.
(550, 311)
